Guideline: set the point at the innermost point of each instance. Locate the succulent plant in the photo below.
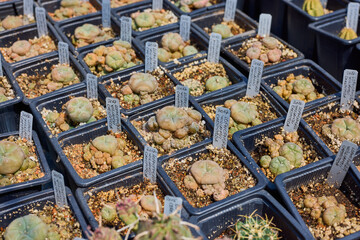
(63, 73)
(253, 53)
(148, 204)
(108, 213)
(104, 233)
(243, 112)
(115, 60)
(279, 165)
(223, 30)
(12, 157)
(171, 118)
(216, 82)
(143, 83)
(87, 32)
(265, 161)
(70, 3)
(127, 210)
(106, 143)
(293, 153)
(313, 8)
(27, 227)
(189, 50)
(270, 42)
(145, 19)
(164, 55)
(21, 47)
(79, 109)
(347, 34)
(343, 128)
(274, 55)
(172, 41)
(303, 86)
(12, 22)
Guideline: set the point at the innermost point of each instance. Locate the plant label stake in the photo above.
(185, 23)
(352, 17)
(214, 48)
(264, 25)
(78, 238)
(348, 89)
(63, 49)
(294, 115)
(171, 204)
(28, 8)
(221, 127)
(150, 163)
(105, 11)
(151, 56)
(59, 188)
(157, 4)
(125, 29)
(113, 114)
(255, 75)
(181, 96)
(91, 86)
(41, 21)
(341, 163)
(1, 68)
(25, 126)
(230, 9)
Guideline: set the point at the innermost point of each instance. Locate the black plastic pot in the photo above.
(25, 33)
(278, 12)
(67, 29)
(236, 44)
(200, 148)
(246, 141)
(240, 4)
(262, 203)
(131, 5)
(240, 93)
(17, 190)
(42, 66)
(215, 16)
(10, 2)
(316, 172)
(195, 40)
(179, 12)
(19, 207)
(334, 53)
(85, 135)
(125, 77)
(129, 9)
(235, 76)
(113, 74)
(298, 33)
(52, 5)
(17, 91)
(322, 81)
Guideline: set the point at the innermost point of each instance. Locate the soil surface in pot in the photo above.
(189, 6)
(72, 8)
(11, 21)
(226, 29)
(6, 91)
(89, 34)
(150, 18)
(120, 3)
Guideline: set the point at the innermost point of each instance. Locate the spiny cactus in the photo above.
(313, 8)
(79, 109)
(127, 211)
(216, 82)
(27, 227)
(347, 34)
(63, 74)
(223, 30)
(11, 157)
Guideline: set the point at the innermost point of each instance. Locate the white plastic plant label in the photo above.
(113, 114)
(78, 238)
(342, 163)
(255, 75)
(264, 25)
(63, 49)
(171, 204)
(185, 23)
(150, 163)
(59, 188)
(214, 48)
(348, 89)
(125, 29)
(91, 86)
(294, 115)
(151, 56)
(28, 8)
(41, 21)
(230, 9)
(25, 126)
(105, 11)
(221, 127)
(181, 96)
(157, 4)
(352, 17)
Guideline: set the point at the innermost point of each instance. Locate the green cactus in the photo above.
(293, 153)
(334, 215)
(145, 20)
(12, 22)
(3, 98)
(270, 42)
(200, 3)
(171, 118)
(346, 129)
(132, 98)
(63, 74)
(303, 86)
(70, 3)
(223, 30)
(127, 211)
(279, 165)
(265, 161)
(163, 55)
(172, 41)
(207, 172)
(108, 213)
(243, 112)
(143, 83)
(313, 8)
(87, 32)
(79, 109)
(29, 227)
(347, 34)
(104, 233)
(11, 157)
(216, 82)
(122, 43)
(115, 60)
(106, 143)
(189, 50)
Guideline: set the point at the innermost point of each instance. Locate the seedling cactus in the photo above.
(216, 83)
(11, 157)
(313, 8)
(344, 129)
(12, 22)
(279, 165)
(145, 19)
(63, 74)
(143, 83)
(174, 47)
(223, 30)
(27, 227)
(104, 233)
(79, 109)
(347, 34)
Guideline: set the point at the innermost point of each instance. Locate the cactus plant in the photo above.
(223, 30)
(143, 83)
(270, 42)
(343, 128)
(171, 118)
(313, 8)
(27, 227)
(79, 109)
(11, 157)
(108, 213)
(216, 82)
(164, 55)
(104, 233)
(347, 34)
(150, 18)
(89, 34)
(12, 22)
(279, 165)
(303, 86)
(106, 143)
(63, 73)
(127, 211)
(145, 19)
(172, 42)
(243, 112)
(72, 8)
(189, 50)
(293, 153)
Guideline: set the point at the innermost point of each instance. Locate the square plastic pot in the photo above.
(42, 66)
(298, 33)
(252, 8)
(322, 81)
(246, 141)
(105, 81)
(334, 53)
(10, 1)
(52, 5)
(315, 173)
(215, 16)
(85, 135)
(127, 11)
(17, 190)
(67, 29)
(236, 44)
(16, 208)
(235, 76)
(17, 91)
(109, 43)
(262, 203)
(278, 12)
(194, 12)
(25, 33)
(201, 148)
(195, 40)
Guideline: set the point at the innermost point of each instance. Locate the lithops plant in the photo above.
(89, 34)
(343, 129)
(347, 34)
(11, 157)
(216, 82)
(72, 8)
(151, 19)
(313, 8)
(223, 30)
